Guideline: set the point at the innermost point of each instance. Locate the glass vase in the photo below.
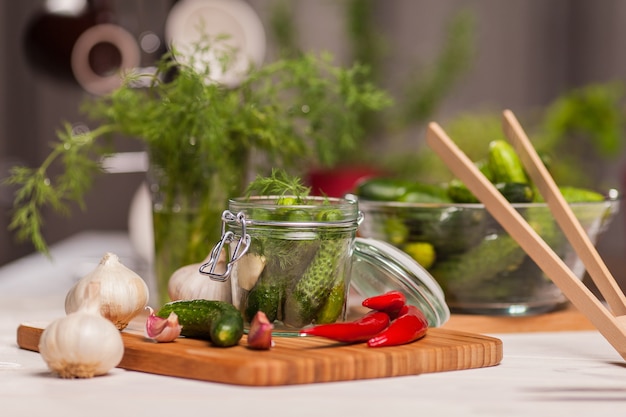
(186, 222)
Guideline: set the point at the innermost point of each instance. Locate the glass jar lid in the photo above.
(379, 267)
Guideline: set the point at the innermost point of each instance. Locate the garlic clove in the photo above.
(123, 293)
(188, 283)
(248, 269)
(260, 333)
(162, 330)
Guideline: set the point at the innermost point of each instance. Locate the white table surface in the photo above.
(542, 374)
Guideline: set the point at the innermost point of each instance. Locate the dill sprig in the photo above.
(38, 189)
(278, 183)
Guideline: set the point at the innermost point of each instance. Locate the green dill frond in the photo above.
(278, 183)
(79, 154)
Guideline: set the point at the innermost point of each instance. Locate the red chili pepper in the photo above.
(355, 331)
(390, 302)
(410, 325)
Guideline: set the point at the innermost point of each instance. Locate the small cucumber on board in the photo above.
(217, 321)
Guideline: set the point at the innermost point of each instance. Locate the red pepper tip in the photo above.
(408, 327)
(390, 302)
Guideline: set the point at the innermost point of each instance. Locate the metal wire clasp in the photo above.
(243, 243)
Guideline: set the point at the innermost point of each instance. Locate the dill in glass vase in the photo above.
(204, 139)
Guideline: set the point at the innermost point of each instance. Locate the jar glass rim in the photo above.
(351, 216)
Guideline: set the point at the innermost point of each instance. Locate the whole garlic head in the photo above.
(123, 294)
(82, 344)
(188, 283)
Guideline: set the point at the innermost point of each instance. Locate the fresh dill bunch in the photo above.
(203, 136)
(278, 183)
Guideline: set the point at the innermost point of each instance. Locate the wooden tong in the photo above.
(611, 324)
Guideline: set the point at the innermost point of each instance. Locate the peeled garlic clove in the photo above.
(248, 269)
(123, 293)
(81, 345)
(188, 283)
(260, 333)
(162, 330)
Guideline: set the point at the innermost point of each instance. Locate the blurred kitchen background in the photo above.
(459, 62)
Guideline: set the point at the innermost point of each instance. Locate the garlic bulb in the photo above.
(123, 293)
(188, 283)
(82, 344)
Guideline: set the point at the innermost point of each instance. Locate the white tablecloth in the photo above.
(542, 374)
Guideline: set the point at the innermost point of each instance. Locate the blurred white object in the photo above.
(140, 228)
(66, 7)
(125, 162)
(234, 18)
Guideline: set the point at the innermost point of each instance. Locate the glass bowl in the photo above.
(480, 268)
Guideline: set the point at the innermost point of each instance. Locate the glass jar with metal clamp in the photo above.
(288, 258)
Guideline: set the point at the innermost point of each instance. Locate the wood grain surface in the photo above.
(298, 360)
(567, 319)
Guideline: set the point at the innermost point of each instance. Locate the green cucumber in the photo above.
(462, 273)
(459, 193)
(450, 230)
(575, 195)
(396, 231)
(312, 290)
(265, 296)
(217, 321)
(383, 189)
(484, 167)
(504, 163)
(394, 189)
(286, 262)
(335, 303)
(425, 193)
(514, 192)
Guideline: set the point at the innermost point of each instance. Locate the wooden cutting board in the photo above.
(297, 360)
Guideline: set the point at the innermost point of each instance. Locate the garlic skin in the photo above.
(162, 330)
(82, 344)
(188, 283)
(123, 294)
